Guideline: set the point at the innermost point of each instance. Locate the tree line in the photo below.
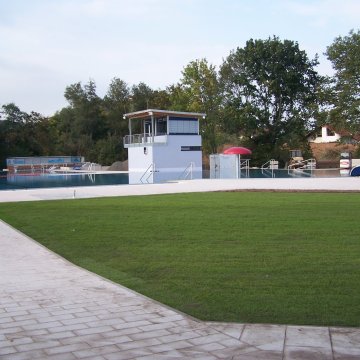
(266, 96)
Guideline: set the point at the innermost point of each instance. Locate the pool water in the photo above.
(45, 180)
(285, 173)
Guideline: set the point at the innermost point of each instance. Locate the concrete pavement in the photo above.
(52, 309)
(185, 186)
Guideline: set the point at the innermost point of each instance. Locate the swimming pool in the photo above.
(45, 180)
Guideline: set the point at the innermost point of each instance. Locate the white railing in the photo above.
(147, 174)
(144, 139)
(270, 166)
(188, 172)
(244, 165)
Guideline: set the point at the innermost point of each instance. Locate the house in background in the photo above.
(324, 135)
(326, 145)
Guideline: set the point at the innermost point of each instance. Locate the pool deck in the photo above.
(186, 186)
(52, 309)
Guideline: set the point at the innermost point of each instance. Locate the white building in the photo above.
(232, 164)
(163, 145)
(324, 135)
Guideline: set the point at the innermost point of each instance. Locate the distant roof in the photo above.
(156, 112)
(342, 133)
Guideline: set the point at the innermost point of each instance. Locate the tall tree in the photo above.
(161, 100)
(269, 95)
(117, 102)
(82, 122)
(44, 134)
(12, 114)
(142, 97)
(86, 107)
(13, 132)
(344, 54)
(23, 134)
(199, 91)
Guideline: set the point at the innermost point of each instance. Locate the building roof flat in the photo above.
(156, 112)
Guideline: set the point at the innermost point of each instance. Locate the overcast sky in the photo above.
(46, 45)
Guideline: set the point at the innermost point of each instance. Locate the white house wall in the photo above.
(169, 160)
(138, 160)
(171, 156)
(324, 138)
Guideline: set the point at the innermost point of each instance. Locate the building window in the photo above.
(183, 126)
(191, 148)
(161, 128)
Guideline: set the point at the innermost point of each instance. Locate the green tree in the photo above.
(144, 97)
(44, 135)
(141, 97)
(199, 91)
(178, 101)
(86, 106)
(12, 114)
(117, 102)
(13, 132)
(344, 54)
(82, 123)
(161, 100)
(39, 135)
(269, 94)
(64, 122)
(23, 134)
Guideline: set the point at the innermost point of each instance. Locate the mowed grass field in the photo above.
(257, 257)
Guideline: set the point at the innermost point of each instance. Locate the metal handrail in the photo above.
(244, 164)
(141, 139)
(188, 171)
(267, 163)
(267, 166)
(152, 167)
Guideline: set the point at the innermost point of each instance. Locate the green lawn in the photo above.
(255, 257)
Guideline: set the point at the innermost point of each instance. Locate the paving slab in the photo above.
(345, 343)
(52, 309)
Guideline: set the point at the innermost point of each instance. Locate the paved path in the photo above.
(294, 184)
(51, 309)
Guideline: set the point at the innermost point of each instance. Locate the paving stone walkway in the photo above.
(51, 309)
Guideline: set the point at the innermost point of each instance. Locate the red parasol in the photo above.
(237, 150)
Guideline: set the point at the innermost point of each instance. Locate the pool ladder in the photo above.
(269, 167)
(188, 172)
(147, 174)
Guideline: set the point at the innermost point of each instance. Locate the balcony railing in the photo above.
(144, 140)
